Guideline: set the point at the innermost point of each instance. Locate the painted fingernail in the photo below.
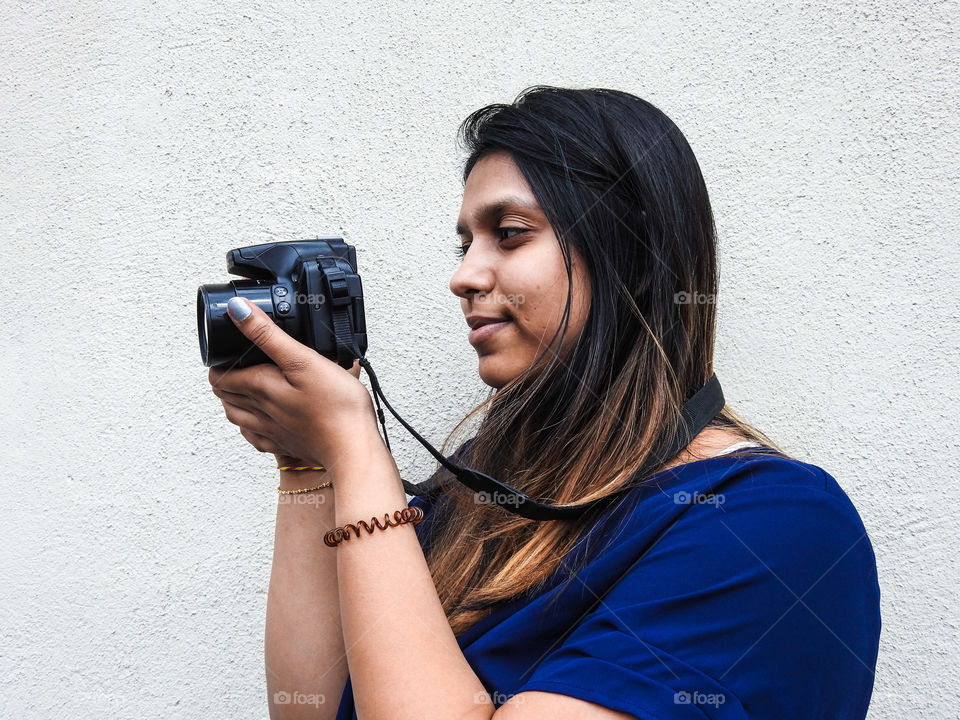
(238, 309)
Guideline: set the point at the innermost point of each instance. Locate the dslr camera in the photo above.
(310, 288)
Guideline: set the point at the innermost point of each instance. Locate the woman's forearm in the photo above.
(306, 665)
(393, 622)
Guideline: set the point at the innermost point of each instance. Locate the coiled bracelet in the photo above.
(406, 515)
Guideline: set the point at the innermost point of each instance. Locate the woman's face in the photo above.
(512, 272)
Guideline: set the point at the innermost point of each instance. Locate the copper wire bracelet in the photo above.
(406, 515)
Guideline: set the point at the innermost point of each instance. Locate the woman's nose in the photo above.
(474, 275)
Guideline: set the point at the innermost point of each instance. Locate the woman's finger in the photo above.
(291, 357)
(249, 380)
(248, 419)
(258, 406)
(260, 442)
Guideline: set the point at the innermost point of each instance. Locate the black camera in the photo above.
(310, 288)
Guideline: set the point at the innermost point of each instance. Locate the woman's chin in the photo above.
(495, 372)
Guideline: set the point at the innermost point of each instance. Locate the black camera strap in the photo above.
(334, 279)
(696, 414)
(338, 294)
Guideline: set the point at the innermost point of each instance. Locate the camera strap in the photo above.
(696, 414)
(337, 293)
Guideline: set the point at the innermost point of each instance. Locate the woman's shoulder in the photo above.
(750, 470)
(785, 487)
(776, 524)
(793, 512)
(757, 562)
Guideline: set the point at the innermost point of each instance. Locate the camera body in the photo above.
(310, 288)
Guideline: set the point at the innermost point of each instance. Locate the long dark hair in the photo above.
(619, 183)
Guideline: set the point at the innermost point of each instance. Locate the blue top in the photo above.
(739, 586)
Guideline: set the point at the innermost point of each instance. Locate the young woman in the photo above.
(733, 582)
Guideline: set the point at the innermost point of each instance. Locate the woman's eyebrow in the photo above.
(486, 212)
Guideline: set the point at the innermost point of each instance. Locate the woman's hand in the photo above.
(303, 408)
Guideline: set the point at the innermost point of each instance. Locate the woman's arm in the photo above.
(404, 659)
(305, 661)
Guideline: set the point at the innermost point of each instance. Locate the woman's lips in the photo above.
(482, 332)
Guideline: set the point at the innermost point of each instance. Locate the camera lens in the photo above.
(221, 342)
(203, 325)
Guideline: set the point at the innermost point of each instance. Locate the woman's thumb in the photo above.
(355, 370)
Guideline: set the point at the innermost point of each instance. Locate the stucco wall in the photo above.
(141, 141)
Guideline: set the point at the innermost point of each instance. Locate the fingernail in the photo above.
(238, 309)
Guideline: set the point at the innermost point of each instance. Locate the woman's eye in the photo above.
(461, 250)
(518, 231)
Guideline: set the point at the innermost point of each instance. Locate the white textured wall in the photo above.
(139, 142)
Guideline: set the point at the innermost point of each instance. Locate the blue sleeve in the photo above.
(762, 603)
